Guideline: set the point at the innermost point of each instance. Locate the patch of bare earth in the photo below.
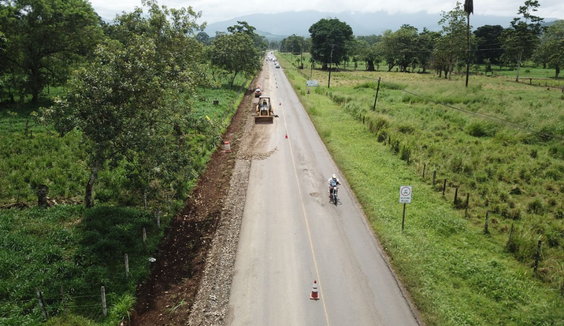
(191, 278)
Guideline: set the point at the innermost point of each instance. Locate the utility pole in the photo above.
(330, 64)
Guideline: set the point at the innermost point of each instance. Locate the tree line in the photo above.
(129, 84)
(407, 49)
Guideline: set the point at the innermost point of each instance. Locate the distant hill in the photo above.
(281, 25)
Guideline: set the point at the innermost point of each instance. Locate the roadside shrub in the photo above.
(523, 246)
(553, 174)
(412, 99)
(390, 85)
(546, 134)
(340, 99)
(313, 111)
(556, 151)
(377, 123)
(536, 206)
(405, 153)
(406, 128)
(481, 129)
(382, 136)
(354, 108)
(456, 164)
(366, 85)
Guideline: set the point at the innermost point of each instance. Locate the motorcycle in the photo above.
(333, 193)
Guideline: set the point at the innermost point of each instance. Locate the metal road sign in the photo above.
(405, 194)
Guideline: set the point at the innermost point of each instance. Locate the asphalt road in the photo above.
(292, 235)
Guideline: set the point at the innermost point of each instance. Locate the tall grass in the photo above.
(456, 274)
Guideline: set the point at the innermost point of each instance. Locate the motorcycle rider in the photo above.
(333, 182)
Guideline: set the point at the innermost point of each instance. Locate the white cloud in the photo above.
(219, 10)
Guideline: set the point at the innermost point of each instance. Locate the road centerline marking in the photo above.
(306, 222)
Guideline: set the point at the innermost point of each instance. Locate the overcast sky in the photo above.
(220, 10)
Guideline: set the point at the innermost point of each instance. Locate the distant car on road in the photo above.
(277, 66)
(258, 92)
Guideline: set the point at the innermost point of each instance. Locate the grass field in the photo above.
(499, 141)
(68, 247)
(529, 73)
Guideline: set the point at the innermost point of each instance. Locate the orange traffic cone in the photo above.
(314, 294)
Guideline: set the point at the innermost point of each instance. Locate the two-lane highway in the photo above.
(292, 235)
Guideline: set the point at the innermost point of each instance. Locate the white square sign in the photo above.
(405, 194)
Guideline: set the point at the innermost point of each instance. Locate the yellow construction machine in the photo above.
(263, 110)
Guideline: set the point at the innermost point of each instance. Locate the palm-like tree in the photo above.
(468, 9)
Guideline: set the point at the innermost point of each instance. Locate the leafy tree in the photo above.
(127, 102)
(468, 9)
(236, 54)
(551, 48)
(451, 45)
(370, 39)
(45, 38)
(425, 45)
(329, 39)
(295, 45)
(203, 38)
(521, 39)
(406, 41)
(400, 47)
(488, 43)
(243, 27)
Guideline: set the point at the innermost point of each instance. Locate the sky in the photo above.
(220, 10)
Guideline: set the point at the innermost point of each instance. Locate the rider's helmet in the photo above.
(334, 176)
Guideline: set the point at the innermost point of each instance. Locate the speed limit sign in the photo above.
(405, 194)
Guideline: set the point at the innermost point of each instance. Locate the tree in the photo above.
(468, 9)
(488, 43)
(551, 48)
(425, 44)
(45, 38)
(243, 27)
(127, 102)
(236, 54)
(450, 46)
(520, 40)
(329, 38)
(406, 41)
(203, 38)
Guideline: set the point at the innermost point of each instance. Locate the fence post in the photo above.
(424, 168)
(486, 226)
(41, 303)
(42, 191)
(455, 196)
(467, 201)
(104, 307)
(537, 257)
(126, 266)
(145, 199)
(158, 218)
(444, 187)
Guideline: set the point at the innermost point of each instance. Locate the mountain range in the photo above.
(280, 25)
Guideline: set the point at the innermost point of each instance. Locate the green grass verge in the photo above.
(67, 245)
(455, 273)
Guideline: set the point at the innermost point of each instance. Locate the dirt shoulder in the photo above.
(191, 279)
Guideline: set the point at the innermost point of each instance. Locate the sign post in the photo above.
(405, 198)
